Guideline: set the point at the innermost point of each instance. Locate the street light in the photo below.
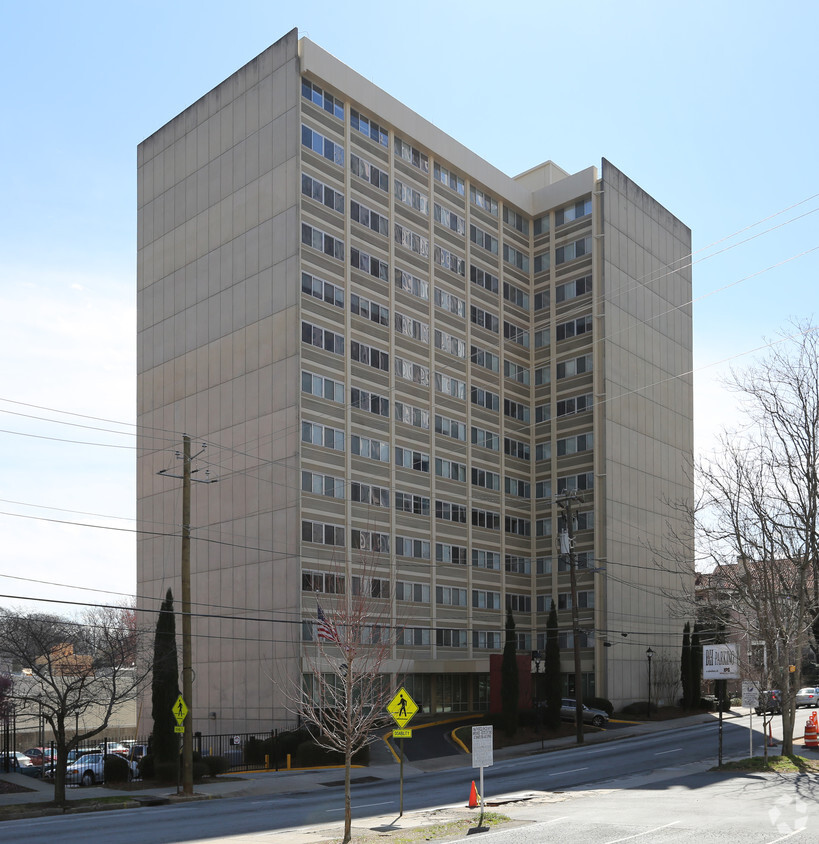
(649, 654)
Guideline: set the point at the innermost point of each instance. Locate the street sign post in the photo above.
(482, 754)
(720, 662)
(180, 711)
(750, 698)
(402, 708)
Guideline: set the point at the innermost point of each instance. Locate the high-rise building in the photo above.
(392, 348)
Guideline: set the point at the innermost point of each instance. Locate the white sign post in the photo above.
(719, 662)
(482, 755)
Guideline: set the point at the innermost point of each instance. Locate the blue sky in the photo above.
(710, 107)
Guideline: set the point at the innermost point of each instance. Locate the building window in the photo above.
(576, 404)
(410, 459)
(516, 334)
(407, 546)
(410, 371)
(486, 479)
(575, 366)
(323, 146)
(369, 173)
(515, 372)
(332, 105)
(516, 410)
(573, 445)
(411, 240)
(410, 327)
(486, 640)
(450, 386)
(516, 448)
(515, 220)
(369, 356)
(484, 358)
(411, 197)
(450, 512)
(543, 489)
(322, 338)
(485, 398)
(573, 212)
(449, 638)
(407, 502)
(368, 218)
(543, 565)
(543, 376)
(370, 402)
(483, 239)
(485, 559)
(450, 596)
(416, 416)
(573, 289)
(321, 533)
(448, 178)
(317, 434)
(377, 496)
(371, 448)
(449, 302)
(369, 264)
(518, 603)
(322, 386)
(409, 637)
(318, 288)
(449, 260)
(483, 279)
(518, 526)
(541, 225)
(541, 338)
(449, 343)
(449, 219)
(484, 201)
(445, 553)
(573, 328)
(484, 319)
(516, 258)
(542, 300)
(573, 250)
(322, 193)
(484, 599)
(450, 428)
(322, 581)
(411, 155)
(517, 487)
(416, 592)
(450, 469)
(542, 262)
(370, 540)
(543, 451)
(515, 296)
(488, 519)
(485, 439)
(412, 284)
(320, 484)
(369, 128)
(369, 310)
(518, 565)
(321, 241)
(543, 412)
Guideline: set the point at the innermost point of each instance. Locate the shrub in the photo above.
(166, 772)
(309, 754)
(115, 768)
(600, 703)
(255, 751)
(639, 707)
(216, 765)
(145, 766)
(200, 770)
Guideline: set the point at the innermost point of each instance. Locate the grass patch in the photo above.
(89, 802)
(774, 764)
(439, 831)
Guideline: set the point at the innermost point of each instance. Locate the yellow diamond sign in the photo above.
(180, 710)
(402, 707)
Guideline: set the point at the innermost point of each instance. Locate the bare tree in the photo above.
(665, 680)
(72, 670)
(346, 689)
(759, 511)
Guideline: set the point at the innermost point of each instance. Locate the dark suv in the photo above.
(769, 701)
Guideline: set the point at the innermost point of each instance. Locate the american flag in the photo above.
(326, 631)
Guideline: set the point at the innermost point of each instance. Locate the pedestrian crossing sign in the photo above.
(402, 708)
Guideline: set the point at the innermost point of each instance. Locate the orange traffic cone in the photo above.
(473, 797)
(771, 742)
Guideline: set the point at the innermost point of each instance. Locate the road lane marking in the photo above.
(364, 806)
(639, 834)
(571, 771)
(789, 835)
(663, 752)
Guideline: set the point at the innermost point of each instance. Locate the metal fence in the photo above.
(245, 751)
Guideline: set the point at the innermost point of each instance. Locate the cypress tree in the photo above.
(510, 688)
(554, 682)
(165, 684)
(685, 667)
(695, 664)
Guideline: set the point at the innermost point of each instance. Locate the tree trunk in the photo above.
(59, 767)
(788, 718)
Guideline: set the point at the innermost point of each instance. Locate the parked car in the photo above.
(113, 747)
(137, 751)
(595, 717)
(71, 757)
(38, 755)
(19, 763)
(90, 769)
(808, 696)
(770, 700)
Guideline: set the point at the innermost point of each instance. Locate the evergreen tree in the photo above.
(554, 682)
(685, 667)
(165, 684)
(509, 679)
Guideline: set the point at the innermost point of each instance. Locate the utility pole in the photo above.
(567, 547)
(187, 649)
